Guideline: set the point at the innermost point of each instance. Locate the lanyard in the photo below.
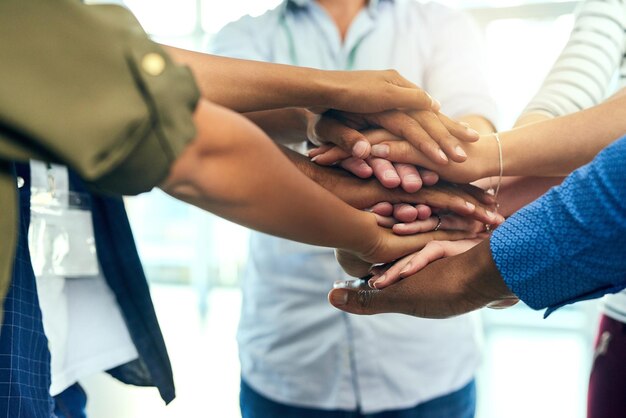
(293, 55)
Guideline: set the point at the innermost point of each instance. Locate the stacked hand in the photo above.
(396, 151)
(411, 150)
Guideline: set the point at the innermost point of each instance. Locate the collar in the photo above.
(372, 5)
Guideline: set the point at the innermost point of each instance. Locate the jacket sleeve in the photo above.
(83, 85)
(570, 244)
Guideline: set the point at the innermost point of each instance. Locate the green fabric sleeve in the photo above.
(83, 85)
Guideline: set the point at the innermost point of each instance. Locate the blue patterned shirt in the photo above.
(569, 245)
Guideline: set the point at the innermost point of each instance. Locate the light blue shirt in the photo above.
(294, 347)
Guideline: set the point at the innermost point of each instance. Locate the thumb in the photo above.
(348, 139)
(366, 301)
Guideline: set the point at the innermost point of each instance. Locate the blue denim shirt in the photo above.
(570, 244)
(24, 356)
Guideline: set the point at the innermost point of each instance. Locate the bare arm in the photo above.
(213, 173)
(552, 147)
(247, 86)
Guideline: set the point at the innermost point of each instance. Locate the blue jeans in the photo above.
(459, 404)
(71, 403)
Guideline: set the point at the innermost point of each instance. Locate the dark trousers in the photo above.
(459, 404)
(607, 384)
(71, 403)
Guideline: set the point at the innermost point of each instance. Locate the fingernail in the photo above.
(371, 282)
(311, 151)
(473, 132)
(390, 175)
(381, 151)
(436, 105)
(315, 158)
(467, 125)
(360, 149)
(379, 281)
(470, 205)
(339, 297)
(490, 214)
(460, 152)
(405, 269)
(413, 179)
(500, 219)
(443, 155)
(432, 101)
(430, 178)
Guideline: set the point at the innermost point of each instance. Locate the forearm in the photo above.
(517, 192)
(557, 146)
(570, 243)
(247, 86)
(233, 170)
(339, 182)
(479, 123)
(285, 126)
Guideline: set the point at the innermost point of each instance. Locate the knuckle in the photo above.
(393, 73)
(346, 138)
(364, 298)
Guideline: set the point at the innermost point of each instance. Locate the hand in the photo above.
(392, 247)
(389, 215)
(390, 175)
(482, 156)
(374, 91)
(413, 263)
(434, 134)
(445, 288)
(464, 200)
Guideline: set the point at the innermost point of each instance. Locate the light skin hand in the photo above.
(358, 266)
(413, 263)
(395, 149)
(389, 215)
(436, 135)
(548, 148)
(390, 175)
(445, 288)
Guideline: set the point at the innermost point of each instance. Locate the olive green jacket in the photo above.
(84, 86)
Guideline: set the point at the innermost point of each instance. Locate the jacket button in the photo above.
(20, 182)
(153, 64)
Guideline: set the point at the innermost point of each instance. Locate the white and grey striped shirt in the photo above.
(583, 76)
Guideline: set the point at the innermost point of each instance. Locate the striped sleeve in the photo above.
(582, 74)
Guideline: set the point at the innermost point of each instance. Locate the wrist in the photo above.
(366, 240)
(488, 157)
(483, 285)
(329, 85)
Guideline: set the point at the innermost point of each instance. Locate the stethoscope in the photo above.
(291, 46)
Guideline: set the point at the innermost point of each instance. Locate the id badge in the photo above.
(60, 236)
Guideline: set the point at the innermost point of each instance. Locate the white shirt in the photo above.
(81, 318)
(583, 76)
(294, 347)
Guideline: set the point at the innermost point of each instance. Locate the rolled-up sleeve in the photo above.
(84, 86)
(570, 244)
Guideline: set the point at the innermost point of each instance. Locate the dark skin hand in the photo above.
(464, 200)
(445, 288)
